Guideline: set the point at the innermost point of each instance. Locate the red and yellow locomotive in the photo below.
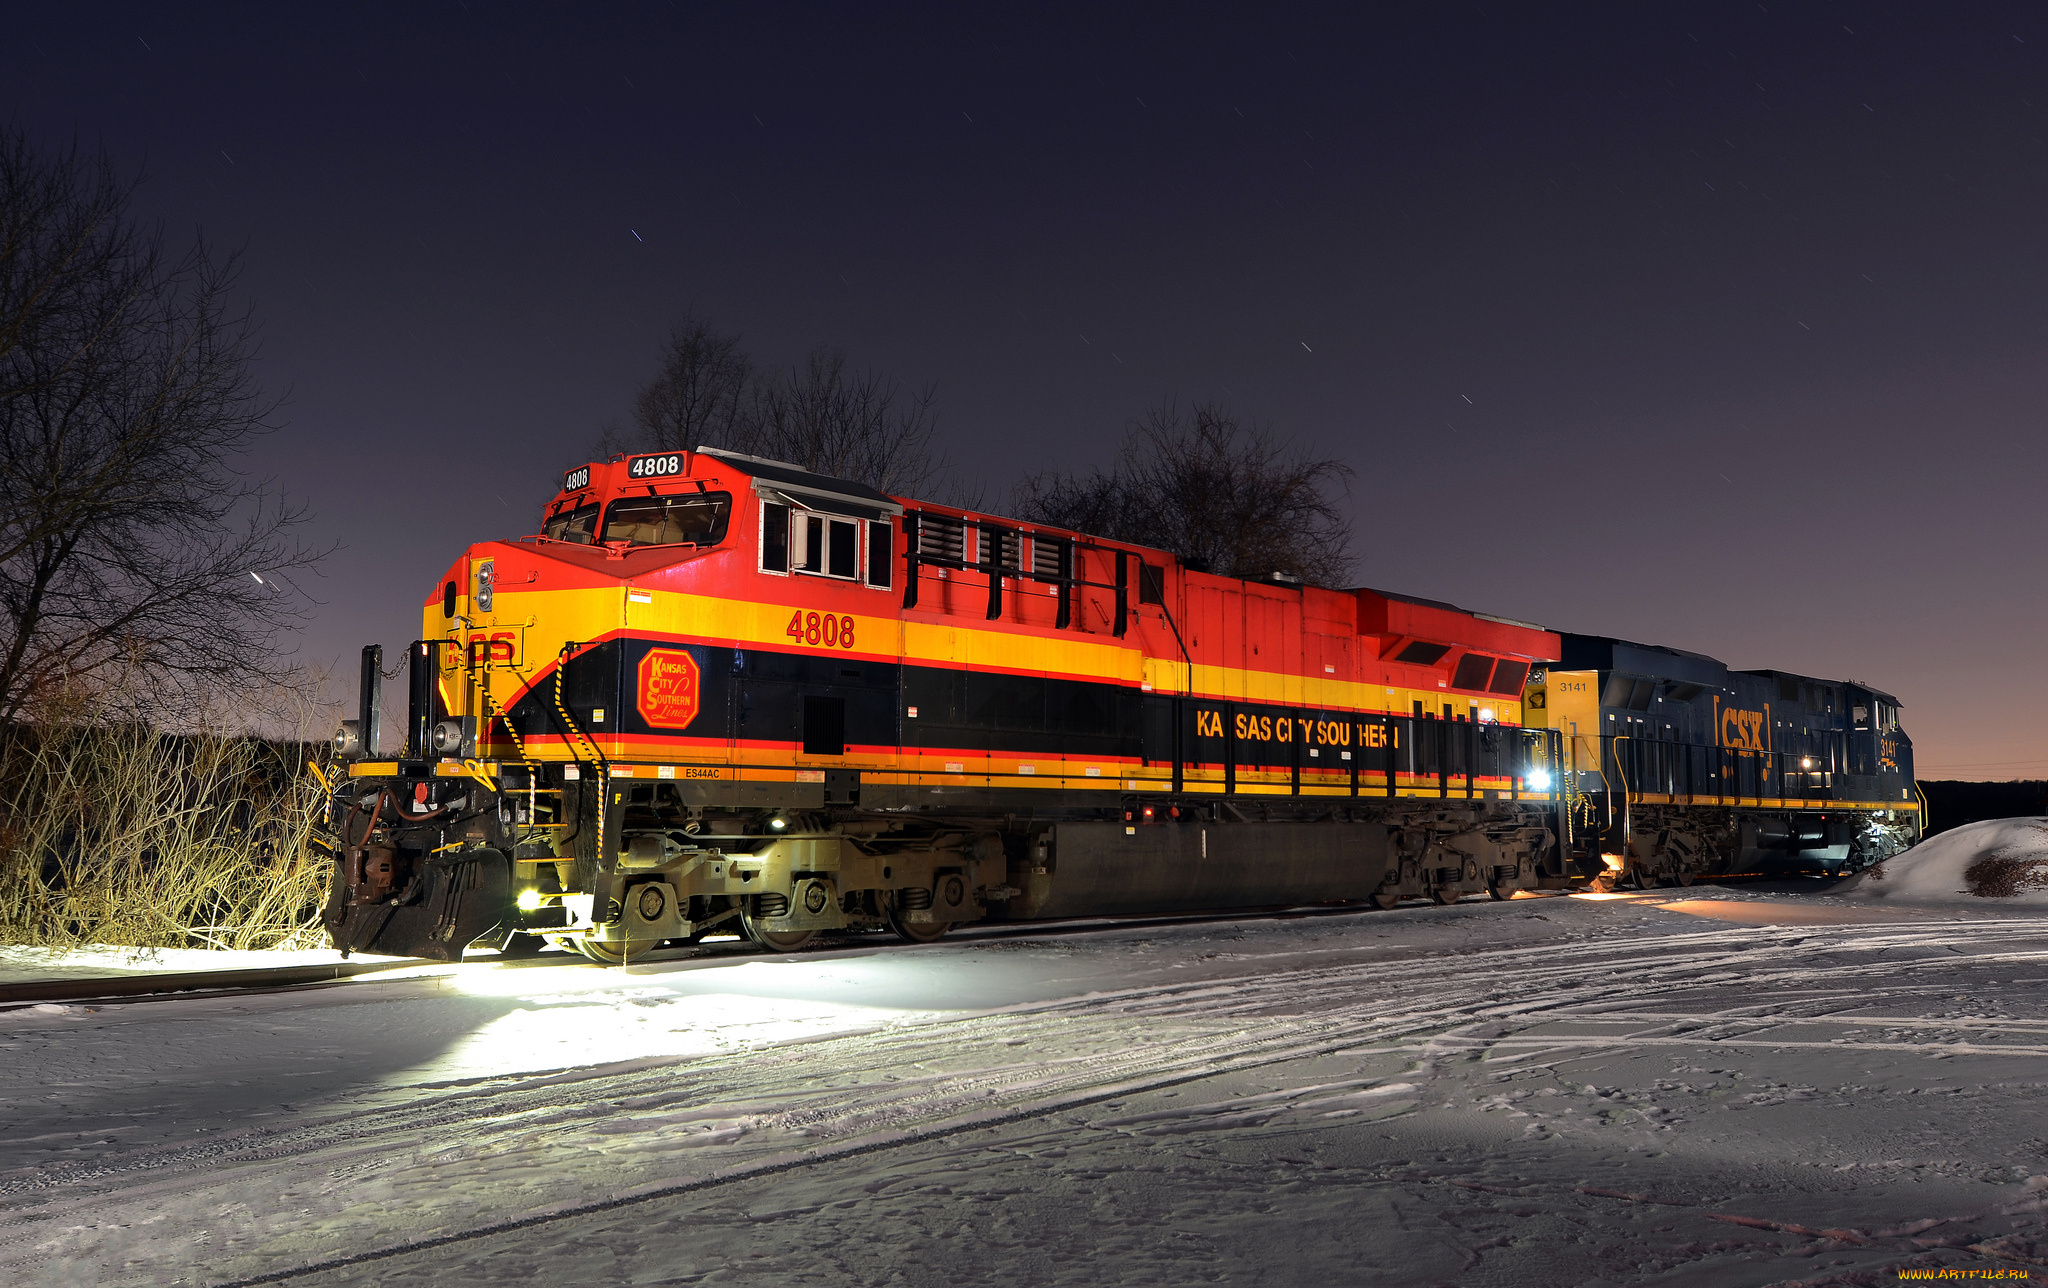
(722, 693)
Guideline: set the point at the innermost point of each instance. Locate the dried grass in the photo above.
(121, 833)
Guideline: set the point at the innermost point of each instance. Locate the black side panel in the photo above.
(775, 691)
(589, 682)
(1008, 711)
(1158, 729)
(1093, 719)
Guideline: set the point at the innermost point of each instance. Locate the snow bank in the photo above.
(2002, 861)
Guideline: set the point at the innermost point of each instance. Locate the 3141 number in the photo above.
(820, 628)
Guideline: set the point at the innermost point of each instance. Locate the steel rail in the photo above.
(193, 985)
(143, 987)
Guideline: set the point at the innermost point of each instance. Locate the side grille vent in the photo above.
(1049, 557)
(942, 537)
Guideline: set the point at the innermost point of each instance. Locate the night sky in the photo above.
(1720, 326)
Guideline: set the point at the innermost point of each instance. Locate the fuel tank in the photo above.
(1105, 869)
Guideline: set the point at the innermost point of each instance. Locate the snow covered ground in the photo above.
(1704, 1087)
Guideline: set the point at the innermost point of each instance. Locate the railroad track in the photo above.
(263, 979)
(272, 979)
(115, 990)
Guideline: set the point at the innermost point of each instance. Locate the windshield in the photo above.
(697, 518)
(578, 525)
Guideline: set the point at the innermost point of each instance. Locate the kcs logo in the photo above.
(668, 689)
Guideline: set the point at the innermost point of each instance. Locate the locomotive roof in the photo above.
(1815, 679)
(1605, 653)
(1449, 608)
(812, 487)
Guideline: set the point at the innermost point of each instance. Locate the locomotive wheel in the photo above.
(1445, 894)
(916, 932)
(1386, 899)
(614, 953)
(1682, 878)
(778, 941)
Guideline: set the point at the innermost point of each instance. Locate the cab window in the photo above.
(578, 525)
(693, 518)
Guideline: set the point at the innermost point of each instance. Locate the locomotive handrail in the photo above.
(1621, 772)
(561, 708)
(915, 556)
(1666, 766)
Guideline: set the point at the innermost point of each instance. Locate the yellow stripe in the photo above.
(588, 613)
(1769, 802)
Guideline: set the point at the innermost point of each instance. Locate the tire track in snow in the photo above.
(1238, 1023)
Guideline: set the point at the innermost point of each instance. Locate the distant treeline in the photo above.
(1951, 804)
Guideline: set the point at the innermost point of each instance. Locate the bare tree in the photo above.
(857, 425)
(823, 415)
(701, 394)
(1223, 493)
(130, 546)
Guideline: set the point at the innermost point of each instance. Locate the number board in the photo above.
(655, 467)
(577, 479)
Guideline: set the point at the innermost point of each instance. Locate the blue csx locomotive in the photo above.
(1673, 766)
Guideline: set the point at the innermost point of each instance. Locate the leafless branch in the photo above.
(1223, 493)
(823, 415)
(128, 539)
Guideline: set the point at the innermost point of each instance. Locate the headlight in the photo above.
(348, 740)
(529, 899)
(1539, 780)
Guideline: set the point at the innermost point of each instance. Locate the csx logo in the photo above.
(1744, 729)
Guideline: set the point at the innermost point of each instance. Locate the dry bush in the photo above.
(121, 833)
